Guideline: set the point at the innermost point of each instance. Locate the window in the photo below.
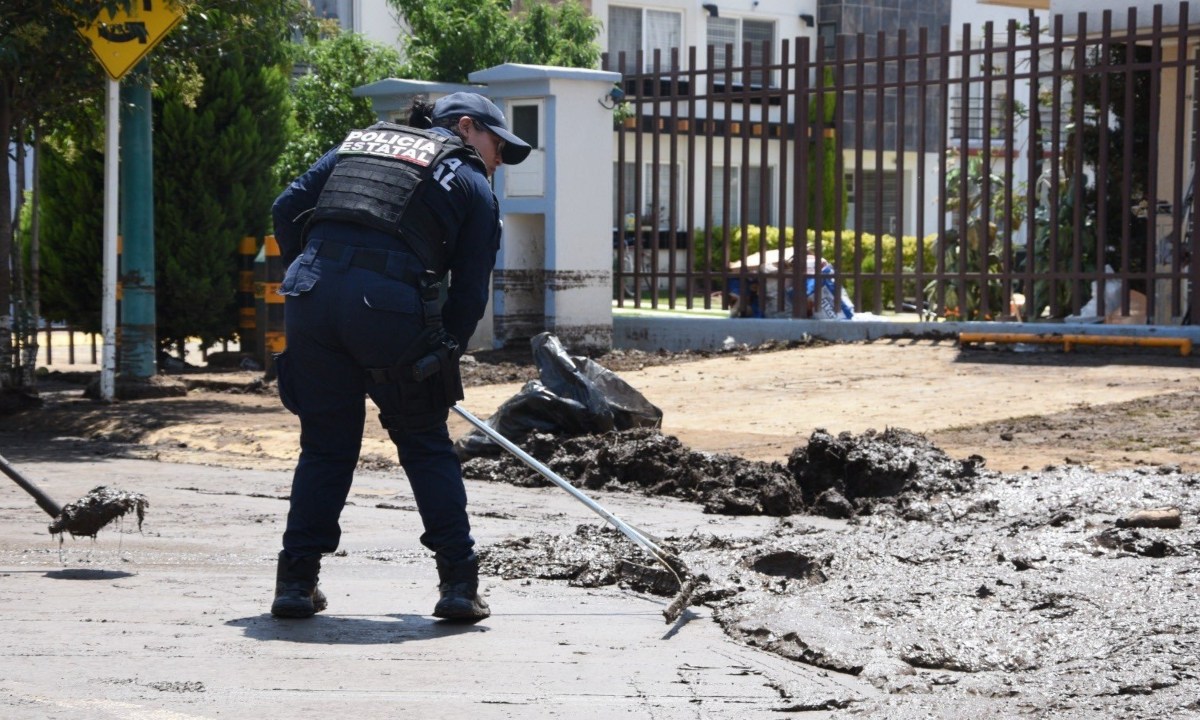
(761, 36)
(525, 124)
(529, 178)
(626, 205)
(634, 29)
(339, 10)
(827, 38)
(755, 181)
(755, 191)
(1064, 110)
(876, 219)
(727, 36)
(967, 111)
(641, 212)
(722, 32)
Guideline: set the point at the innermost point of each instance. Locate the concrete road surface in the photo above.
(171, 623)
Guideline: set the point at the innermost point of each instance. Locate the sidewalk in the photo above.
(172, 623)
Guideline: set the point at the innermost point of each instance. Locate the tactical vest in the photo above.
(375, 178)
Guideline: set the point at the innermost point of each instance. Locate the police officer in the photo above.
(370, 233)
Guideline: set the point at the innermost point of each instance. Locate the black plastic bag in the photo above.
(575, 396)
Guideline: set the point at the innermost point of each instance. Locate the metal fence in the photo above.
(987, 174)
(63, 345)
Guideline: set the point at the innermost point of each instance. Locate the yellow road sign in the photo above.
(120, 40)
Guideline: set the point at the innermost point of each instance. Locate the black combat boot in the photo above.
(296, 591)
(460, 590)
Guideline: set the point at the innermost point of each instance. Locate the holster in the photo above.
(428, 380)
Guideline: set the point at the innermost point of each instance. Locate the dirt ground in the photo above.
(1101, 407)
(952, 531)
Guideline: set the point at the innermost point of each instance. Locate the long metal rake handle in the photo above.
(629, 531)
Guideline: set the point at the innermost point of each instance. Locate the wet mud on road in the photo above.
(952, 589)
(918, 582)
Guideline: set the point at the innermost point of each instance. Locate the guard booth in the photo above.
(554, 269)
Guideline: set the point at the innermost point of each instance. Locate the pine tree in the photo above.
(72, 228)
(213, 185)
(824, 186)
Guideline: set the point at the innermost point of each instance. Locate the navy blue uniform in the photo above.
(343, 319)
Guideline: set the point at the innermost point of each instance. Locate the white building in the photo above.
(373, 19)
(630, 26)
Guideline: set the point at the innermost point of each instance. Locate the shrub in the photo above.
(846, 251)
(713, 258)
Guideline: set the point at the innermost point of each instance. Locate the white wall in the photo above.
(554, 268)
(976, 13)
(376, 20)
(1070, 10)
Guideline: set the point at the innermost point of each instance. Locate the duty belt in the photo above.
(376, 260)
(373, 259)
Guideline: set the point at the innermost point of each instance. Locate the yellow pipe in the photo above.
(1184, 344)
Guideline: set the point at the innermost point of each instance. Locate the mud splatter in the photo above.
(177, 686)
(88, 515)
(593, 556)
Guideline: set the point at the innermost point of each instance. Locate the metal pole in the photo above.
(108, 308)
(137, 349)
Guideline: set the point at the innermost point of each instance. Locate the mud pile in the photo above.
(644, 460)
(852, 475)
(954, 591)
(837, 477)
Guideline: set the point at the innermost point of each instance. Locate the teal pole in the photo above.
(137, 340)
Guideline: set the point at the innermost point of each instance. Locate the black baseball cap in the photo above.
(486, 113)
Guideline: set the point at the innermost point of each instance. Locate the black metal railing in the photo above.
(1060, 188)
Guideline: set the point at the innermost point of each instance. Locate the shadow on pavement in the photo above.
(327, 629)
(85, 431)
(87, 574)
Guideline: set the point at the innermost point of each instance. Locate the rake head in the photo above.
(86, 516)
(688, 584)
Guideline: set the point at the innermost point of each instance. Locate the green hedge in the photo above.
(853, 250)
